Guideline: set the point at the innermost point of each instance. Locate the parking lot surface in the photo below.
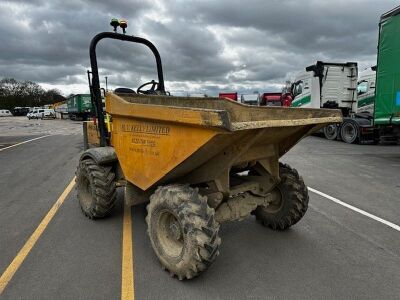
(332, 253)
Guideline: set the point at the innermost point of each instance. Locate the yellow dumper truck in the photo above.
(197, 162)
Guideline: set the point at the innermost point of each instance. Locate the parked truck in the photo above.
(386, 116)
(79, 106)
(229, 95)
(276, 99)
(20, 111)
(371, 105)
(250, 99)
(366, 91)
(329, 85)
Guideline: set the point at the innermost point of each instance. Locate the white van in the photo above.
(5, 113)
(42, 113)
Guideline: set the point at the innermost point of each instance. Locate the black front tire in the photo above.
(96, 189)
(182, 230)
(291, 203)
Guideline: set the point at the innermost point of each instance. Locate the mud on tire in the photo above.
(182, 230)
(96, 189)
(293, 201)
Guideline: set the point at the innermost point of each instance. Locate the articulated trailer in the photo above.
(371, 106)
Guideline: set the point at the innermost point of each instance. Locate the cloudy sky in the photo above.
(206, 46)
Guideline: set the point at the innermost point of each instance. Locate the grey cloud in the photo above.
(205, 45)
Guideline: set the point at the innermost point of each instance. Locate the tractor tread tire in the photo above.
(295, 201)
(200, 229)
(101, 185)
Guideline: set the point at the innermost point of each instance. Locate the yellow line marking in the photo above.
(31, 140)
(127, 286)
(23, 253)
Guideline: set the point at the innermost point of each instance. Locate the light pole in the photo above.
(106, 84)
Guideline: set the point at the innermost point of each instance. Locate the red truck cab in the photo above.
(276, 99)
(231, 96)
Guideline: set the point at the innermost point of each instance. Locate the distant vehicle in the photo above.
(250, 99)
(276, 99)
(198, 95)
(332, 85)
(42, 113)
(366, 91)
(5, 113)
(20, 111)
(48, 113)
(31, 109)
(79, 107)
(31, 114)
(61, 109)
(232, 96)
(327, 85)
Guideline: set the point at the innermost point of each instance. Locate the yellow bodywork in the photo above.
(149, 150)
(158, 137)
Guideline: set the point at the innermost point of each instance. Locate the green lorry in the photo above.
(79, 107)
(387, 91)
(379, 88)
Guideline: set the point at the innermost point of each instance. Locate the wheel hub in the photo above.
(175, 230)
(85, 192)
(170, 234)
(330, 129)
(277, 201)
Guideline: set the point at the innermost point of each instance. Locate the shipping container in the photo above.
(79, 106)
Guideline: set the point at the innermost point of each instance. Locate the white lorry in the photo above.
(250, 99)
(334, 85)
(327, 85)
(366, 91)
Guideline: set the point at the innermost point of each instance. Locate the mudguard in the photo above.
(101, 155)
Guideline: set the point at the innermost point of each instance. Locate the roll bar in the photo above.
(95, 84)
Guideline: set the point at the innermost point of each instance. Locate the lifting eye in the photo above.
(115, 23)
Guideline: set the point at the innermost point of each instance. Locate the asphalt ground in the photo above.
(332, 253)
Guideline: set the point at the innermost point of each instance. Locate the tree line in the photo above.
(15, 93)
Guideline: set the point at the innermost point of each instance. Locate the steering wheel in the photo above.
(151, 91)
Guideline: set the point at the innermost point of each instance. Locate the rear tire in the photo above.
(291, 201)
(331, 132)
(349, 132)
(182, 230)
(96, 189)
